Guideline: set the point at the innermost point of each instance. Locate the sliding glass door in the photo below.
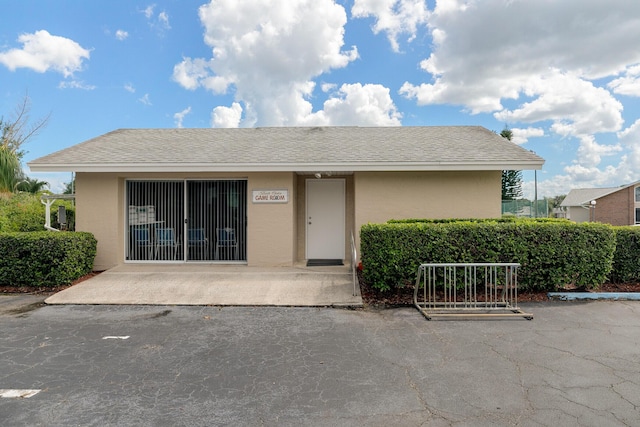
(203, 220)
(217, 220)
(155, 220)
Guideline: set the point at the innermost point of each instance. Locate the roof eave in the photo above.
(284, 167)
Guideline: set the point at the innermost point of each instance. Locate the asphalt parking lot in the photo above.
(575, 364)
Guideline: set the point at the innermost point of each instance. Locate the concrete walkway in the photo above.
(204, 284)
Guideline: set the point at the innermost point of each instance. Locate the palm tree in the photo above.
(31, 185)
(10, 170)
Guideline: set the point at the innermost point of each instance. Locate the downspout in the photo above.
(47, 218)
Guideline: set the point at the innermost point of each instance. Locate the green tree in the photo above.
(21, 212)
(10, 170)
(511, 179)
(511, 185)
(31, 185)
(69, 187)
(554, 202)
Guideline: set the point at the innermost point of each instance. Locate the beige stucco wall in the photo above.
(381, 196)
(100, 210)
(578, 214)
(276, 232)
(271, 227)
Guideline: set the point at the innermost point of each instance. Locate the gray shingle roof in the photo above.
(293, 149)
(584, 196)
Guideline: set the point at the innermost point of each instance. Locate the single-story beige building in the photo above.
(275, 196)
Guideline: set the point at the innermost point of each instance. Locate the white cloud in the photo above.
(521, 136)
(42, 52)
(630, 140)
(562, 184)
(629, 84)
(194, 73)
(163, 20)
(129, 88)
(577, 176)
(545, 64)
(351, 105)
(179, 117)
(586, 170)
(121, 35)
(394, 17)
(362, 105)
(159, 23)
(75, 84)
(328, 87)
(590, 153)
(630, 135)
(575, 106)
(226, 117)
(269, 52)
(145, 99)
(148, 11)
(487, 51)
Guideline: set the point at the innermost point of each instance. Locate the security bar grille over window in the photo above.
(187, 220)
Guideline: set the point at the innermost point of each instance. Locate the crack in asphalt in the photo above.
(572, 365)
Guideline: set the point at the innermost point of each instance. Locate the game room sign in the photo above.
(270, 196)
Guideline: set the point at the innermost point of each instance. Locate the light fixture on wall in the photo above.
(318, 175)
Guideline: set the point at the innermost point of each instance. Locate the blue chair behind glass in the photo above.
(226, 243)
(198, 244)
(142, 246)
(166, 243)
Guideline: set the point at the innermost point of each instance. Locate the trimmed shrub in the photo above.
(24, 212)
(552, 254)
(21, 212)
(475, 220)
(45, 259)
(626, 260)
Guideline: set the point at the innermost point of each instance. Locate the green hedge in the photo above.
(24, 212)
(504, 219)
(45, 259)
(626, 261)
(553, 254)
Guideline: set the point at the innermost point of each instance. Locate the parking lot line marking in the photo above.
(16, 393)
(114, 337)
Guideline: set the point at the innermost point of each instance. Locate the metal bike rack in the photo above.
(468, 290)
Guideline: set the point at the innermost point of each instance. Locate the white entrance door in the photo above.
(325, 218)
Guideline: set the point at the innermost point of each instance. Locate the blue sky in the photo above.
(564, 75)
